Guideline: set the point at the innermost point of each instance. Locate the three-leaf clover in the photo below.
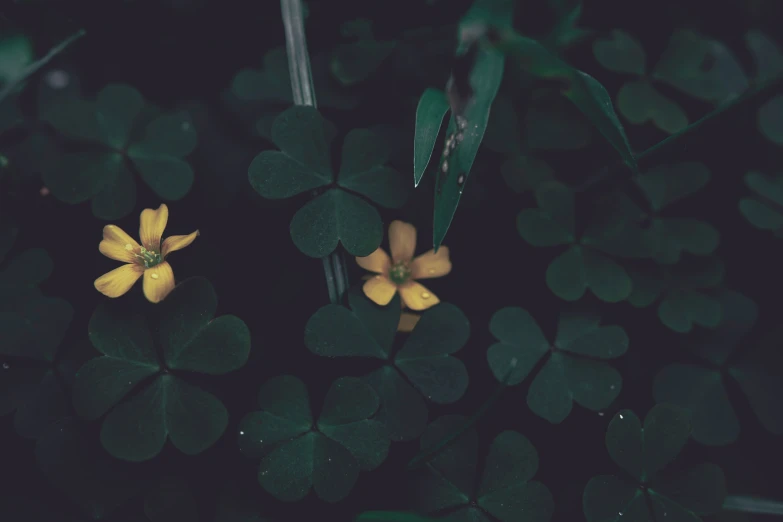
(91, 478)
(121, 134)
(303, 164)
(586, 263)
(505, 492)
(701, 388)
(162, 405)
(646, 494)
(575, 370)
(638, 100)
(32, 327)
(669, 237)
(298, 454)
(682, 291)
(765, 209)
(423, 366)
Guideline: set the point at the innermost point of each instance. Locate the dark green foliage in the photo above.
(31, 328)
(505, 487)
(337, 215)
(131, 384)
(646, 494)
(127, 136)
(298, 454)
(587, 263)
(702, 388)
(574, 370)
(422, 368)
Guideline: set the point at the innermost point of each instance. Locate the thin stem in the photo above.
(303, 91)
(428, 454)
(753, 505)
(618, 167)
(36, 65)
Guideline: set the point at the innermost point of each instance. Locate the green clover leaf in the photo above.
(303, 164)
(701, 67)
(139, 388)
(765, 209)
(298, 454)
(32, 326)
(575, 369)
(646, 495)
(682, 292)
(638, 100)
(669, 237)
(505, 492)
(767, 56)
(587, 262)
(123, 137)
(702, 388)
(354, 62)
(91, 479)
(422, 367)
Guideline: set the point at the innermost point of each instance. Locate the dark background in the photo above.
(175, 54)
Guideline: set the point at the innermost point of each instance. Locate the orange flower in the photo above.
(401, 272)
(147, 259)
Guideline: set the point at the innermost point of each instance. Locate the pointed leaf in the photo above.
(429, 118)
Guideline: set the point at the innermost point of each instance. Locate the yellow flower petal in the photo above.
(377, 262)
(152, 225)
(119, 281)
(118, 245)
(379, 290)
(174, 243)
(402, 241)
(417, 297)
(431, 264)
(158, 282)
(407, 322)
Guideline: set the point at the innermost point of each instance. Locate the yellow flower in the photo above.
(401, 272)
(148, 259)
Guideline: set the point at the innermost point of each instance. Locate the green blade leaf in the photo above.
(433, 105)
(466, 136)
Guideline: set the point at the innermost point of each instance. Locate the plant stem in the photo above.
(753, 505)
(303, 91)
(619, 167)
(36, 65)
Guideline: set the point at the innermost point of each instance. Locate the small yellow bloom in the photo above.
(401, 272)
(147, 259)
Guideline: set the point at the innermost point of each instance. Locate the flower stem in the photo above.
(619, 167)
(31, 69)
(303, 92)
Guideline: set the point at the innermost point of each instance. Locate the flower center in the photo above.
(399, 273)
(148, 258)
